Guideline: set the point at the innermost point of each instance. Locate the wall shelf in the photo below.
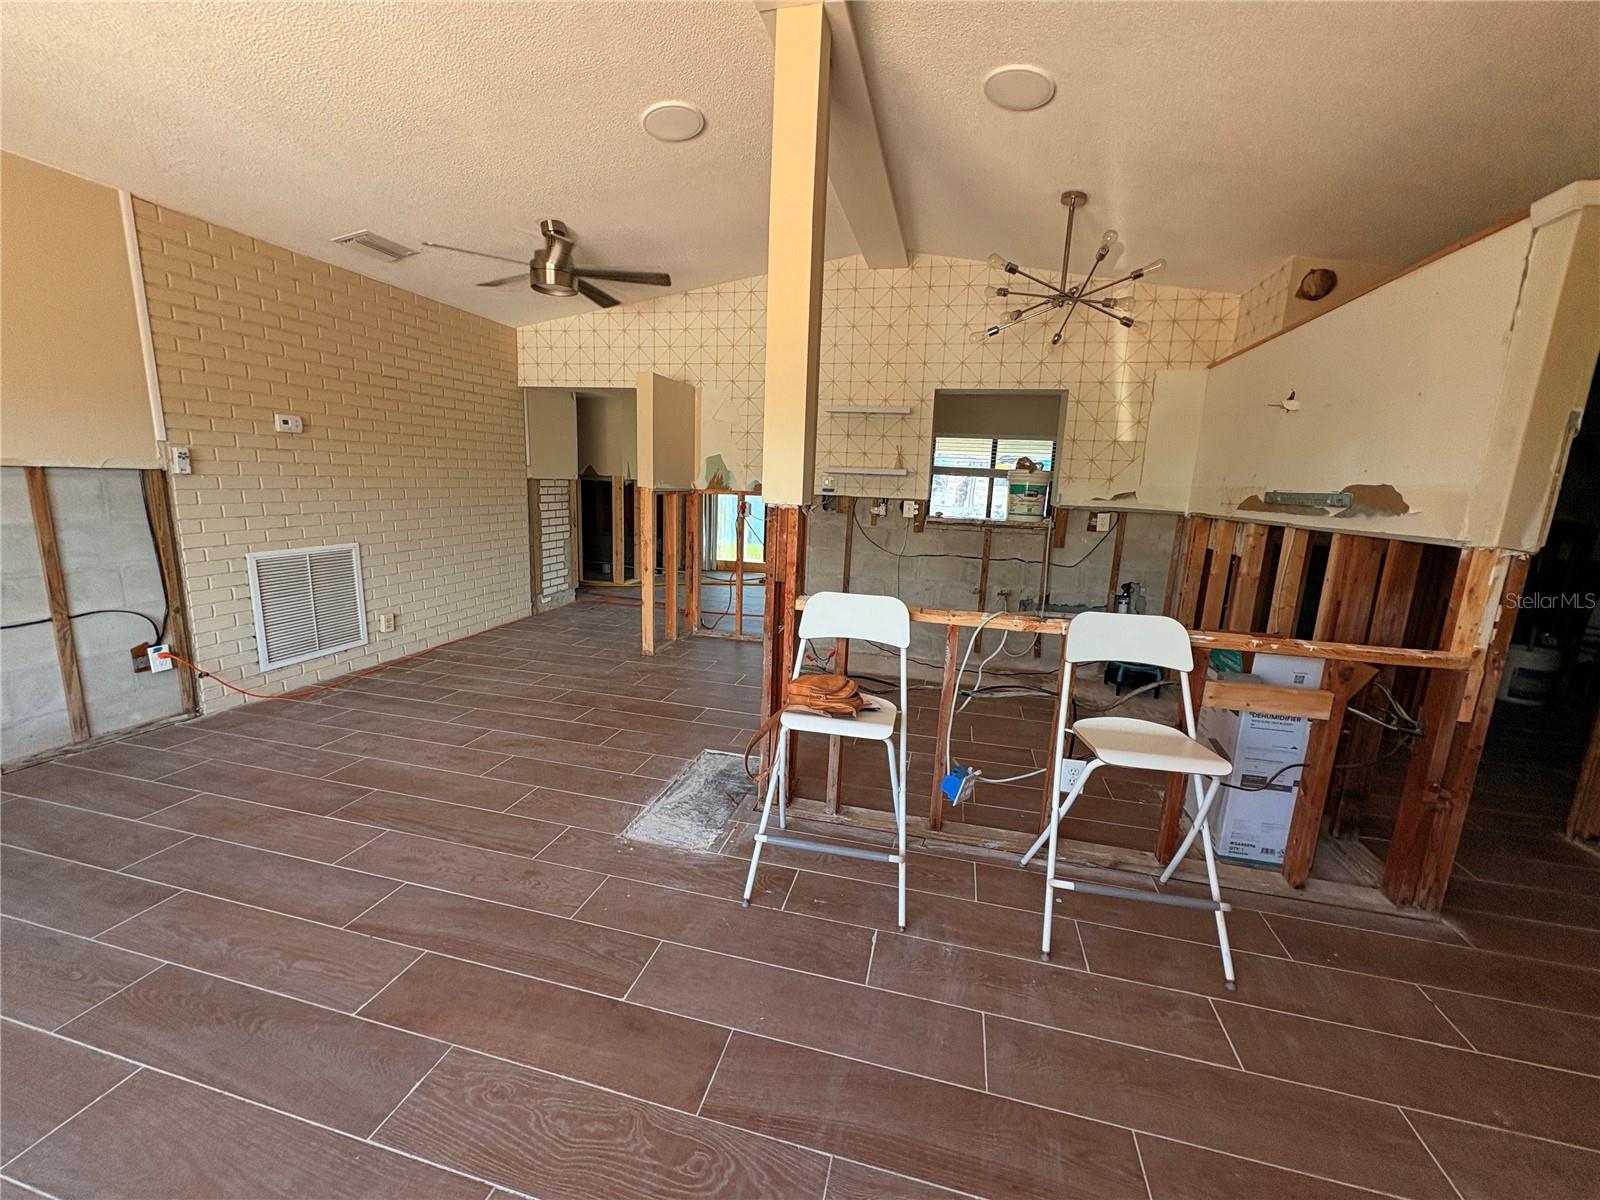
(870, 410)
(865, 471)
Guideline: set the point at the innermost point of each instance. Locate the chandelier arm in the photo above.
(1044, 283)
(1128, 278)
(1025, 314)
(1052, 295)
(1078, 294)
(1120, 318)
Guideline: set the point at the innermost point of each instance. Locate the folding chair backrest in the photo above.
(1129, 637)
(848, 615)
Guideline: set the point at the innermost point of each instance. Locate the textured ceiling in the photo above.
(1224, 137)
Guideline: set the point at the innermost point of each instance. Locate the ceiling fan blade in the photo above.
(654, 278)
(477, 253)
(589, 292)
(520, 277)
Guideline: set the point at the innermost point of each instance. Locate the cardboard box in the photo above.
(1253, 826)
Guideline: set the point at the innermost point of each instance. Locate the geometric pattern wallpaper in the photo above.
(895, 337)
(1263, 307)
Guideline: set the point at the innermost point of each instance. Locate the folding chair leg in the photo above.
(898, 798)
(1216, 896)
(761, 828)
(1202, 808)
(1059, 811)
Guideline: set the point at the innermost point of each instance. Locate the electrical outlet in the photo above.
(182, 461)
(880, 508)
(141, 658)
(157, 662)
(908, 509)
(1071, 771)
(385, 622)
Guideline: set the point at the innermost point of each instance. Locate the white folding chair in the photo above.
(881, 619)
(1141, 745)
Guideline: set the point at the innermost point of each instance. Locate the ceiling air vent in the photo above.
(377, 243)
(308, 603)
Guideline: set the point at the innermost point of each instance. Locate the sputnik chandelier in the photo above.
(1086, 295)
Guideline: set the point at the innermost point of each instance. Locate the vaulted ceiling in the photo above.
(1223, 137)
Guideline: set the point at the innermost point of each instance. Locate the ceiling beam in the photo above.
(857, 173)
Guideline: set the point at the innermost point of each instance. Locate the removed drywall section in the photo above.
(552, 428)
(940, 566)
(413, 444)
(73, 387)
(109, 561)
(607, 432)
(113, 588)
(1400, 387)
(33, 707)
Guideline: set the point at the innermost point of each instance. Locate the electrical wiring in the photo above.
(94, 612)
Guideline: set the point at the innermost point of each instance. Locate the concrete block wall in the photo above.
(413, 445)
(553, 543)
(33, 707)
(939, 568)
(108, 561)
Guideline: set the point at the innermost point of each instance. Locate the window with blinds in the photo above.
(969, 474)
(308, 603)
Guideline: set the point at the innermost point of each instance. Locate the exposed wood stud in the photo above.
(947, 705)
(1116, 562)
(1349, 587)
(1583, 820)
(671, 540)
(1244, 595)
(1169, 597)
(1290, 583)
(738, 565)
(619, 529)
(693, 552)
(575, 525)
(841, 665)
(535, 543)
(55, 590)
(1192, 571)
(1341, 679)
(1218, 570)
(158, 498)
(645, 564)
(983, 579)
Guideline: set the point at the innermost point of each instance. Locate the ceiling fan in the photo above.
(552, 271)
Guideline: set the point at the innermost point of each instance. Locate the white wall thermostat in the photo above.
(182, 463)
(288, 423)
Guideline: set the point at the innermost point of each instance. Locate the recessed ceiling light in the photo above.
(672, 121)
(1018, 87)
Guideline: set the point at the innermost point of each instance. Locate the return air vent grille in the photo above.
(308, 603)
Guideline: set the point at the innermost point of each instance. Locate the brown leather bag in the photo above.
(831, 695)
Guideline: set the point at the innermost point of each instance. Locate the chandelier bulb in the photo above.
(1014, 315)
(1151, 269)
(997, 262)
(1109, 239)
(983, 335)
(998, 292)
(1055, 339)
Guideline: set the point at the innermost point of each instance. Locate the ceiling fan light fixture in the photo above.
(673, 121)
(1019, 87)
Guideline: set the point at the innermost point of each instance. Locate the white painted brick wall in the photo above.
(555, 543)
(412, 445)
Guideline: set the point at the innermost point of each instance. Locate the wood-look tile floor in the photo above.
(386, 943)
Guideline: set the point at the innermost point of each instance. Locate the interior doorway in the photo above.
(607, 422)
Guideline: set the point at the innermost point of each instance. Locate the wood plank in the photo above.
(1204, 639)
(1288, 586)
(55, 591)
(160, 1136)
(671, 541)
(158, 499)
(847, 505)
(619, 529)
(1305, 822)
(575, 525)
(645, 565)
(1349, 588)
(693, 552)
(947, 705)
(1312, 704)
(1185, 609)
(1219, 569)
(1444, 766)
(475, 1113)
(1180, 536)
(983, 579)
(1246, 592)
(337, 1070)
(1116, 561)
(1583, 820)
(738, 566)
